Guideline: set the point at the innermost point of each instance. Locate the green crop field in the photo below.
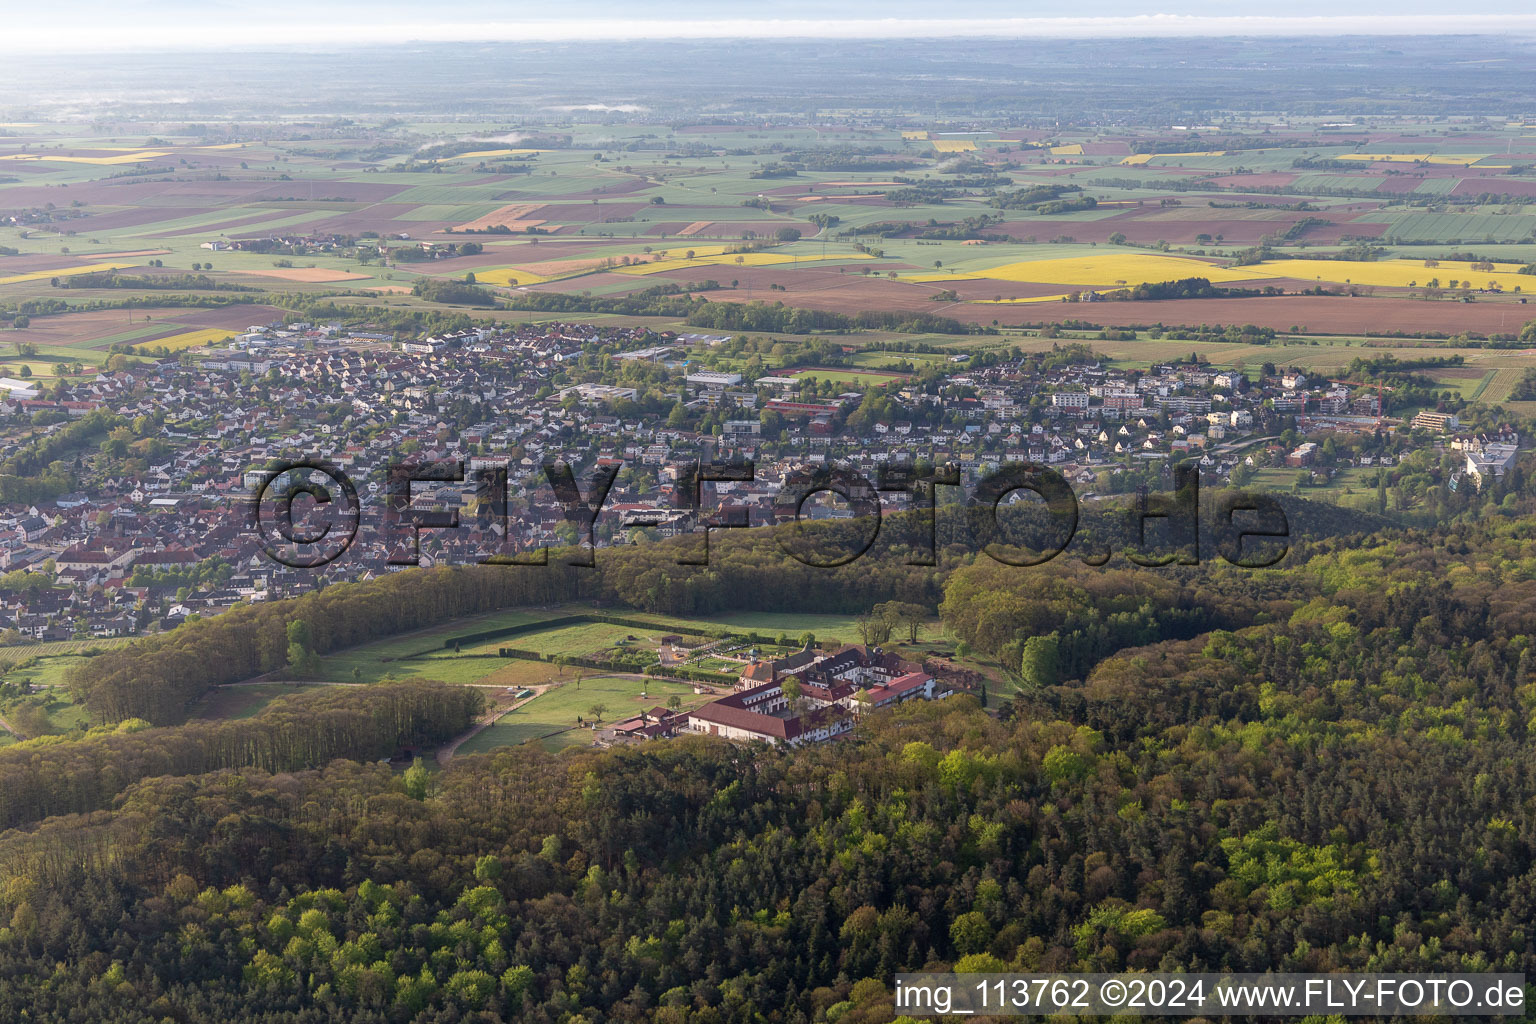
(374, 661)
(51, 651)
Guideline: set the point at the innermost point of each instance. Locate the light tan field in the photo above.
(556, 268)
(694, 228)
(43, 275)
(311, 275)
(509, 216)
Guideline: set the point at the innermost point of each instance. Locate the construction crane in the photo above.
(1381, 406)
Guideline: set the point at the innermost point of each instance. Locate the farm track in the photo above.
(446, 751)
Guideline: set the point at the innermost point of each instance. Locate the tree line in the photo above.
(53, 775)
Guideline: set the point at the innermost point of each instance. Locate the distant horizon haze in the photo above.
(172, 25)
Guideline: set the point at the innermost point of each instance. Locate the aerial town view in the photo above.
(680, 519)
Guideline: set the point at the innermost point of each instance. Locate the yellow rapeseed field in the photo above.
(191, 339)
(1391, 273)
(508, 277)
(1114, 270)
(1446, 159)
(1076, 149)
(954, 145)
(44, 275)
(920, 136)
(1030, 298)
(1106, 271)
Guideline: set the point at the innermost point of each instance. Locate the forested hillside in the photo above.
(157, 678)
(54, 775)
(1323, 766)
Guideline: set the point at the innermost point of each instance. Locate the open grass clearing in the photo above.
(555, 711)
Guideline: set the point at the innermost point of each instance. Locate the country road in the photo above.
(446, 751)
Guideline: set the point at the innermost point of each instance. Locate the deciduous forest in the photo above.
(1319, 767)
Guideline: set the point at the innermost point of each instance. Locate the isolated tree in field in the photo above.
(674, 703)
(597, 711)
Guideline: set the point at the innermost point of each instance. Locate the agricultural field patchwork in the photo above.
(1039, 217)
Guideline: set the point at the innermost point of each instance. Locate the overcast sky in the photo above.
(148, 25)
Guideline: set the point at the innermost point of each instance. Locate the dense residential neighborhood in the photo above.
(157, 527)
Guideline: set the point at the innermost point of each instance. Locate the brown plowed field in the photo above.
(618, 188)
(1332, 314)
(135, 218)
(232, 318)
(32, 262)
(586, 213)
(80, 330)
